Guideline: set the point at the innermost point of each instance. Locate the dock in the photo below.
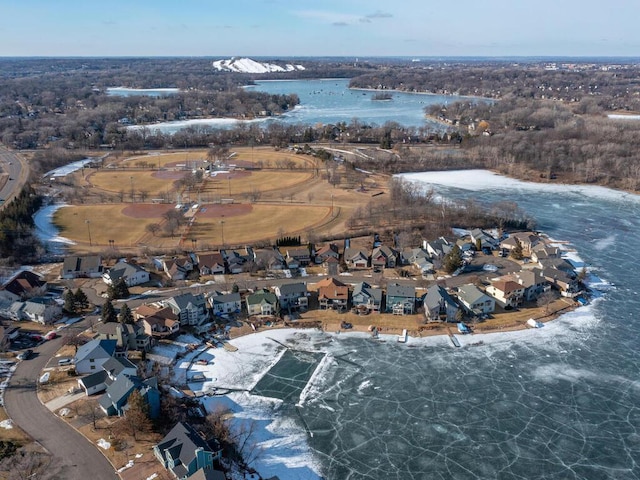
(403, 337)
(453, 338)
(229, 348)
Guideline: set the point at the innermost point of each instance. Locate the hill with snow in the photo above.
(247, 65)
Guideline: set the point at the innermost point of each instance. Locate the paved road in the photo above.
(18, 173)
(77, 457)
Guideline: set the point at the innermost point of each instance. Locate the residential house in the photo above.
(127, 337)
(184, 452)
(331, 265)
(298, 257)
(384, 257)
(225, 303)
(437, 248)
(367, 296)
(26, 284)
(506, 292)
(157, 321)
(177, 268)
(269, 259)
(262, 302)
(327, 251)
(211, 264)
(210, 474)
(484, 239)
(561, 280)
(355, 258)
(89, 266)
(292, 296)
(7, 335)
(542, 252)
(43, 310)
(332, 293)
(132, 274)
(439, 305)
(475, 301)
(190, 309)
(236, 261)
(92, 355)
(115, 398)
(533, 282)
(99, 381)
(401, 299)
(528, 240)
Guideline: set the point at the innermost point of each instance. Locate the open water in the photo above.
(560, 402)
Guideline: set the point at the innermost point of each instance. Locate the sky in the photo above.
(290, 28)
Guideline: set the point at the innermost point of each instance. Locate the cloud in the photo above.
(378, 14)
(340, 24)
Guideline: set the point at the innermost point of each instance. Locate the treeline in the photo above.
(415, 213)
(18, 243)
(611, 87)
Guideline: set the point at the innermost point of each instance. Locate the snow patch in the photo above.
(247, 65)
(6, 424)
(102, 443)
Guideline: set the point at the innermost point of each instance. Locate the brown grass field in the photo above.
(290, 201)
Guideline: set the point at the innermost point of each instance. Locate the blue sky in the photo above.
(223, 28)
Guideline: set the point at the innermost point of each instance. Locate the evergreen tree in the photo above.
(81, 299)
(108, 312)
(118, 290)
(517, 253)
(69, 302)
(452, 260)
(125, 315)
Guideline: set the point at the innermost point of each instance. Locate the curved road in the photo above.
(77, 458)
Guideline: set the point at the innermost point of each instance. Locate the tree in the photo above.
(545, 300)
(517, 253)
(75, 341)
(118, 290)
(108, 312)
(153, 228)
(125, 315)
(69, 302)
(136, 417)
(452, 260)
(81, 299)
(582, 274)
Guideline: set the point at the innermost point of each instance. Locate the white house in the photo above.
(132, 274)
(91, 356)
(475, 301)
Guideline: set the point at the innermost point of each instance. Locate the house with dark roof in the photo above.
(225, 303)
(91, 356)
(325, 252)
(132, 274)
(88, 266)
(99, 381)
(184, 452)
(269, 259)
(298, 257)
(401, 299)
(211, 264)
(115, 398)
(26, 284)
(292, 296)
(157, 321)
(177, 268)
(384, 257)
(367, 296)
(439, 305)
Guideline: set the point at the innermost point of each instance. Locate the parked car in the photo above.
(65, 361)
(26, 355)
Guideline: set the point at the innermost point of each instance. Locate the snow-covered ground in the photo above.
(46, 231)
(247, 65)
(69, 168)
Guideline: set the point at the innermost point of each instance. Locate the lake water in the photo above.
(148, 92)
(329, 101)
(559, 402)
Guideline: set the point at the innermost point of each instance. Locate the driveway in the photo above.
(77, 458)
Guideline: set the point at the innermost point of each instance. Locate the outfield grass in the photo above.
(115, 181)
(261, 181)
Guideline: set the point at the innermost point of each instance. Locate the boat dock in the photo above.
(403, 338)
(453, 338)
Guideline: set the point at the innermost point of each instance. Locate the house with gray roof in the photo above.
(484, 239)
(91, 356)
(115, 398)
(87, 266)
(225, 303)
(356, 258)
(439, 305)
(43, 310)
(184, 452)
(99, 381)
(127, 336)
(384, 257)
(132, 274)
(292, 295)
(190, 309)
(475, 301)
(367, 296)
(401, 299)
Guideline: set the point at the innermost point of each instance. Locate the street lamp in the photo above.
(332, 205)
(131, 179)
(88, 222)
(229, 182)
(222, 229)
